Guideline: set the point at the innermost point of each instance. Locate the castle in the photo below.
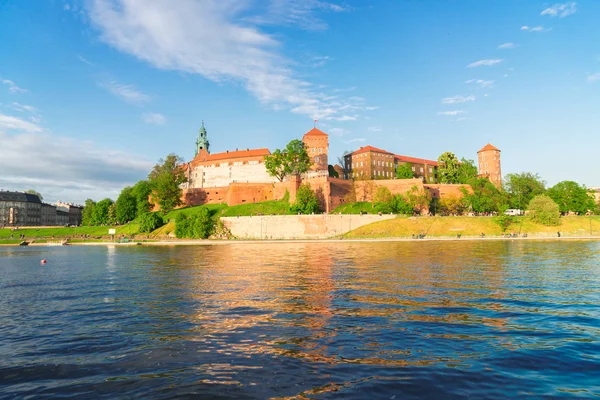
(240, 176)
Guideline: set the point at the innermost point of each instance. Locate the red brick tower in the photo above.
(316, 143)
(489, 164)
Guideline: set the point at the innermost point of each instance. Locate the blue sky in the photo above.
(93, 93)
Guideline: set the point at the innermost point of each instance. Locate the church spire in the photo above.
(202, 141)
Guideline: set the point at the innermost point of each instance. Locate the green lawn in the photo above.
(355, 208)
(473, 226)
(62, 232)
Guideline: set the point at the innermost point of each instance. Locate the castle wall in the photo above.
(222, 174)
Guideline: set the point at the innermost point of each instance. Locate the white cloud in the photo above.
(561, 10)
(374, 129)
(534, 29)
(594, 77)
(458, 99)
(127, 93)
(85, 61)
(319, 61)
(64, 168)
(154, 118)
(23, 108)
(481, 83)
(451, 113)
(484, 63)
(295, 13)
(355, 140)
(8, 122)
(214, 39)
(507, 46)
(337, 131)
(13, 88)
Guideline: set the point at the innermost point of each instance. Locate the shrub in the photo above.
(182, 226)
(197, 226)
(543, 210)
(150, 222)
(504, 221)
(306, 200)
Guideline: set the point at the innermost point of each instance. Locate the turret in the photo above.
(202, 141)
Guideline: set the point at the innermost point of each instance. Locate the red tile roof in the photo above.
(414, 160)
(366, 149)
(488, 147)
(315, 132)
(202, 157)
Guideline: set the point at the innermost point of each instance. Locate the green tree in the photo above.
(418, 199)
(101, 216)
(523, 187)
(141, 192)
(451, 205)
(150, 222)
(382, 195)
(165, 180)
(126, 206)
(448, 168)
(88, 212)
(467, 171)
(405, 171)
(306, 200)
(112, 214)
(203, 225)
(291, 161)
(38, 194)
(504, 221)
(570, 196)
(543, 210)
(486, 197)
(182, 226)
(332, 172)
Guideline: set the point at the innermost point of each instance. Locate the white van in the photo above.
(513, 211)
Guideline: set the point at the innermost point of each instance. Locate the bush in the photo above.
(306, 201)
(150, 222)
(543, 210)
(196, 226)
(504, 221)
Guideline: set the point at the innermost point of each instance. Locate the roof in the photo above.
(19, 196)
(366, 149)
(315, 132)
(202, 156)
(415, 160)
(488, 147)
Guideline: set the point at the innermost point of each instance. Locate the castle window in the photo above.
(317, 159)
(313, 149)
(320, 150)
(421, 169)
(413, 168)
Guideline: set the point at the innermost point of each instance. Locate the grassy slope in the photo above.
(472, 226)
(355, 208)
(61, 232)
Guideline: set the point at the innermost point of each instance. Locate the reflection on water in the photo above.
(302, 320)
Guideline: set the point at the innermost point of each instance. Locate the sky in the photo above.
(94, 92)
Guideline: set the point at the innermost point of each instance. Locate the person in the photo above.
(558, 233)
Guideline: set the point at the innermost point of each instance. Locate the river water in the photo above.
(389, 320)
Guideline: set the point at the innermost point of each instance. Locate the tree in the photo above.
(342, 162)
(291, 161)
(165, 180)
(141, 191)
(405, 171)
(332, 172)
(523, 187)
(486, 197)
(125, 206)
(543, 210)
(451, 205)
(112, 214)
(38, 194)
(101, 216)
(418, 199)
(382, 195)
(306, 200)
(88, 212)
(150, 222)
(467, 170)
(570, 196)
(448, 168)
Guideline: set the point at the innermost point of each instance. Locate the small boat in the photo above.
(24, 243)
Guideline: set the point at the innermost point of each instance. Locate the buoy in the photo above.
(43, 262)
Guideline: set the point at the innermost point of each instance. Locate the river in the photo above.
(388, 320)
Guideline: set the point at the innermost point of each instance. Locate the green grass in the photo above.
(62, 232)
(277, 207)
(473, 226)
(355, 208)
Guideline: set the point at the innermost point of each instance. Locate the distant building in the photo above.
(74, 211)
(489, 164)
(316, 143)
(369, 162)
(48, 215)
(20, 209)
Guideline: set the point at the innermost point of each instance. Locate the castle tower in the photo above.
(202, 141)
(316, 143)
(489, 164)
